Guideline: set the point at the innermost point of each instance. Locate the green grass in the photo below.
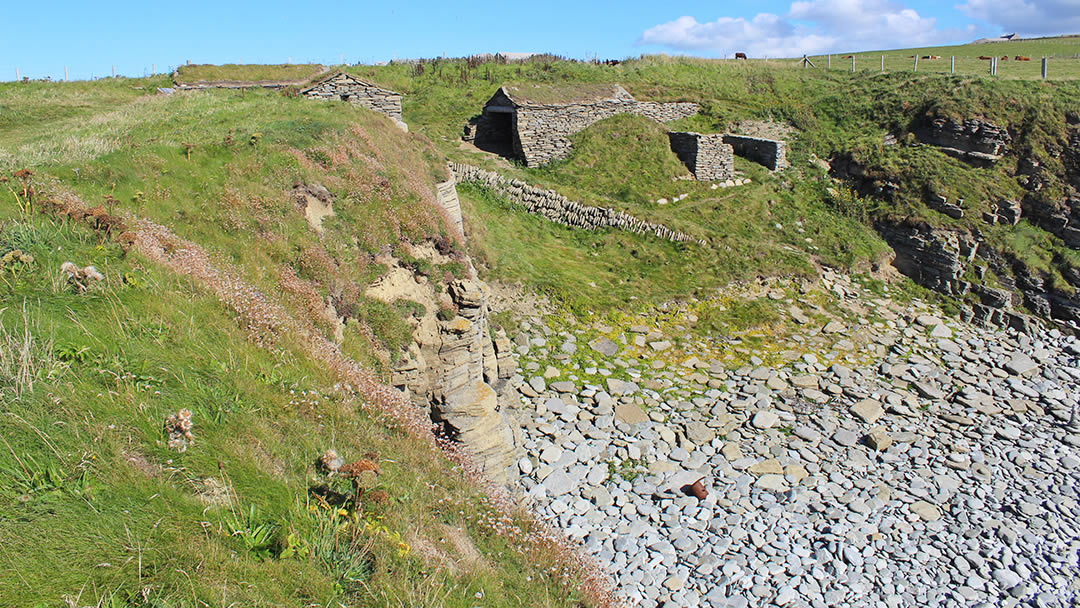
(836, 115)
(253, 73)
(94, 507)
(1063, 54)
(636, 145)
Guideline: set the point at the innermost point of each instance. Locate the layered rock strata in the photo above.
(972, 140)
(454, 368)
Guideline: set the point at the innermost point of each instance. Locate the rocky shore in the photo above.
(880, 455)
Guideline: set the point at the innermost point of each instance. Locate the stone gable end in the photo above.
(344, 87)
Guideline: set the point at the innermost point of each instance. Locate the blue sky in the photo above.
(89, 38)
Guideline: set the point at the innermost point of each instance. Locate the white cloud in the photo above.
(1027, 17)
(811, 27)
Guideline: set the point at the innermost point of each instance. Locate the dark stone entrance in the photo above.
(496, 133)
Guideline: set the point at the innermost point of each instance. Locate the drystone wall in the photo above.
(707, 156)
(562, 210)
(543, 131)
(347, 88)
(446, 195)
(769, 152)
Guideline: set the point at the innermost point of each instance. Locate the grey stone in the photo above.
(764, 419)
(1020, 364)
(868, 410)
(604, 346)
(845, 437)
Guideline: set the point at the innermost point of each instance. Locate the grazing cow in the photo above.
(985, 58)
(1021, 58)
(931, 57)
(1004, 57)
(740, 55)
(848, 56)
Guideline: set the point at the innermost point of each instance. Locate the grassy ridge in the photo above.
(253, 73)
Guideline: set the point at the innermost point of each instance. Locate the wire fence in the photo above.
(1005, 66)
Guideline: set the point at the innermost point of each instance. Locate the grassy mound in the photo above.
(249, 73)
(626, 157)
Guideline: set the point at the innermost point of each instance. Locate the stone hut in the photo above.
(346, 87)
(534, 123)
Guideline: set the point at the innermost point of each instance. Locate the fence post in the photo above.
(114, 71)
(65, 73)
(828, 62)
(853, 63)
(1044, 68)
(17, 77)
(882, 64)
(153, 69)
(916, 62)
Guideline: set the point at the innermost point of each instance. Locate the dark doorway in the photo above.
(495, 133)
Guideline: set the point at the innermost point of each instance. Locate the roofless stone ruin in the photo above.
(535, 123)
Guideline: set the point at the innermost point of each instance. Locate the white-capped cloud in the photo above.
(1027, 17)
(811, 27)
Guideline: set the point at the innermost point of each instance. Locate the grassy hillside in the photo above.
(834, 116)
(211, 299)
(768, 226)
(214, 290)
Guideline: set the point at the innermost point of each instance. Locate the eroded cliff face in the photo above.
(993, 283)
(934, 257)
(456, 368)
(973, 140)
(1053, 199)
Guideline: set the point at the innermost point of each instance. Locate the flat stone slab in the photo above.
(878, 440)
(833, 327)
(925, 510)
(1020, 365)
(604, 347)
(764, 419)
(558, 483)
(928, 390)
(772, 483)
(622, 387)
(630, 413)
(766, 467)
(868, 410)
(564, 386)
